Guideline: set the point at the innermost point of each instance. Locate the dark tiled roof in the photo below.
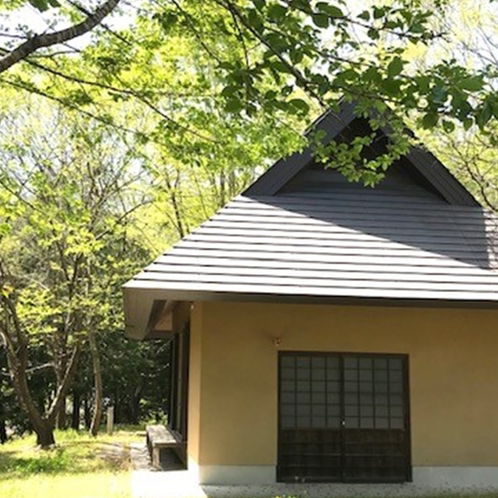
(343, 241)
(306, 233)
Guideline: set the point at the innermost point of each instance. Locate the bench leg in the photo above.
(156, 458)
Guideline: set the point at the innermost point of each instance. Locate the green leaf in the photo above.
(296, 56)
(372, 75)
(391, 86)
(472, 83)
(494, 107)
(41, 5)
(378, 12)
(276, 12)
(320, 20)
(430, 120)
(484, 114)
(467, 123)
(395, 67)
(233, 105)
(440, 95)
(365, 15)
(330, 10)
(280, 66)
(167, 20)
(423, 83)
(229, 91)
(448, 126)
(277, 41)
(300, 105)
(373, 34)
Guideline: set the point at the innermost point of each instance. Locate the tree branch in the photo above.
(48, 39)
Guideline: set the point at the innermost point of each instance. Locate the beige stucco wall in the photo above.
(453, 357)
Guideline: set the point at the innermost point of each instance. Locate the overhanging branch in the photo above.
(48, 39)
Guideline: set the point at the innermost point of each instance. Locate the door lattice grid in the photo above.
(343, 417)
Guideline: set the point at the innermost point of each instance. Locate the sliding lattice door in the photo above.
(343, 418)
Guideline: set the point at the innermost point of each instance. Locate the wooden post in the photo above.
(110, 420)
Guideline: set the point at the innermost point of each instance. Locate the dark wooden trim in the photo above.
(173, 388)
(285, 169)
(437, 174)
(279, 429)
(185, 380)
(158, 335)
(343, 416)
(408, 421)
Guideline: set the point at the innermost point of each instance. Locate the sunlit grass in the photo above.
(78, 466)
(86, 485)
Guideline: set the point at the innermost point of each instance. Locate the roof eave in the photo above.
(153, 293)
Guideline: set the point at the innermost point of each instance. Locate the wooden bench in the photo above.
(160, 437)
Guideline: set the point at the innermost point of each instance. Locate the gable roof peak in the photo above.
(332, 125)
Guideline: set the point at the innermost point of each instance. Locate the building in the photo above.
(326, 331)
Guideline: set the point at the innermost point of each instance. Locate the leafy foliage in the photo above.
(279, 60)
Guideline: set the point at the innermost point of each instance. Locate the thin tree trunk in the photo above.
(75, 419)
(43, 425)
(117, 408)
(3, 430)
(97, 373)
(87, 413)
(61, 415)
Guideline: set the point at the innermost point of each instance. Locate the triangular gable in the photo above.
(420, 161)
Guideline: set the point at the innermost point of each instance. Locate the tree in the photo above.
(271, 57)
(472, 31)
(68, 194)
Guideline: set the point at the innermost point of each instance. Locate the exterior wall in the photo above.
(453, 358)
(194, 393)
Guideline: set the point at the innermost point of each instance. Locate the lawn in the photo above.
(79, 466)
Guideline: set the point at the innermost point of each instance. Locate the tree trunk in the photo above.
(97, 374)
(87, 413)
(75, 419)
(61, 415)
(135, 402)
(117, 407)
(45, 435)
(17, 346)
(3, 430)
(42, 425)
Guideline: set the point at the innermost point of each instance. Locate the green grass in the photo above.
(79, 466)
